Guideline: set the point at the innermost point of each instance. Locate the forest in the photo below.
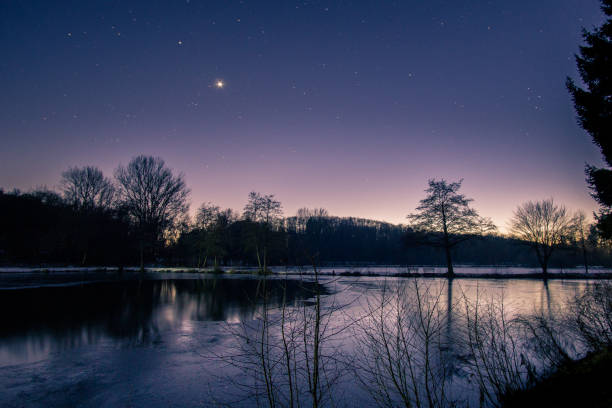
(44, 227)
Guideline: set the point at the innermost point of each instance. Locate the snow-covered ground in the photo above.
(378, 270)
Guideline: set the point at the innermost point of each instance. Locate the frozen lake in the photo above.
(107, 340)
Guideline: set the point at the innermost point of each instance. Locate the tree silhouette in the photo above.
(264, 212)
(205, 222)
(543, 225)
(579, 235)
(444, 219)
(153, 196)
(86, 188)
(594, 109)
(213, 225)
(91, 195)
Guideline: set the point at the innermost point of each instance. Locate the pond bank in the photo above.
(393, 271)
(581, 383)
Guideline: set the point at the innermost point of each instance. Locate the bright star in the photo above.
(219, 84)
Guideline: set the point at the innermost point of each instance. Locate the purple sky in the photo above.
(351, 106)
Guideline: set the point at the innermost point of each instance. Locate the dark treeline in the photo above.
(44, 227)
(356, 241)
(41, 227)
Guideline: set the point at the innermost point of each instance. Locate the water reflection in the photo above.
(443, 334)
(37, 321)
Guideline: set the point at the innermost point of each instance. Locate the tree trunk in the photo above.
(584, 254)
(316, 343)
(449, 262)
(543, 260)
(199, 262)
(141, 256)
(258, 257)
(447, 248)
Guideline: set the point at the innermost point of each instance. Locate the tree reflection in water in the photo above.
(137, 311)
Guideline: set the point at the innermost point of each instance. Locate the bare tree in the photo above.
(543, 226)
(400, 357)
(265, 212)
(290, 355)
(207, 215)
(86, 188)
(579, 235)
(509, 353)
(591, 316)
(153, 196)
(304, 215)
(496, 348)
(263, 208)
(206, 218)
(213, 224)
(444, 218)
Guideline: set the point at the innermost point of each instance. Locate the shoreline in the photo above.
(308, 272)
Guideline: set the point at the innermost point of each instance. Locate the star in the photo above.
(219, 83)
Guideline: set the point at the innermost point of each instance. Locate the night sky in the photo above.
(347, 105)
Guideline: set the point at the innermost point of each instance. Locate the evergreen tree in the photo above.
(593, 106)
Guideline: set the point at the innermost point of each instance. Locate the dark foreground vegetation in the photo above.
(581, 383)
